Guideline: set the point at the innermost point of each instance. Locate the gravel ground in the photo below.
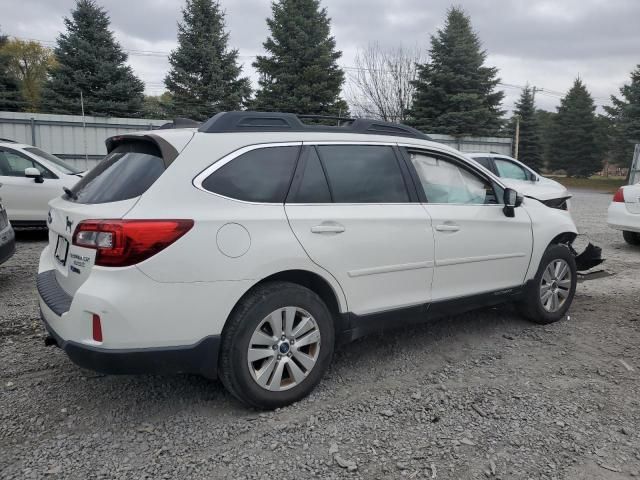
(480, 395)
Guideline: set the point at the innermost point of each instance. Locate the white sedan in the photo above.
(624, 213)
(523, 179)
(30, 179)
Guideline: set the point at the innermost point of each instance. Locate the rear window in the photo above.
(127, 172)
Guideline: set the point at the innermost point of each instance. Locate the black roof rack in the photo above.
(180, 123)
(7, 140)
(228, 122)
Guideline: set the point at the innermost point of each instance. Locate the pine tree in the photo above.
(576, 144)
(92, 62)
(10, 96)
(455, 91)
(300, 74)
(205, 76)
(530, 149)
(624, 114)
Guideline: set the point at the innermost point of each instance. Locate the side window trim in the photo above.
(52, 176)
(458, 162)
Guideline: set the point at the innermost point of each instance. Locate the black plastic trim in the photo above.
(52, 293)
(17, 224)
(231, 122)
(357, 326)
(8, 248)
(200, 358)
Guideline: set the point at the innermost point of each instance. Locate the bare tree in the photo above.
(380, 83)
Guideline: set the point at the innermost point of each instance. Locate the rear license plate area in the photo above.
(62, 250)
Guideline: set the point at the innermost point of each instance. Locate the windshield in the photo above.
(61, 164)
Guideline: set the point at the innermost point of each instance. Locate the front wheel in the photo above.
(548, 296)
(276, 346)
(632, 238)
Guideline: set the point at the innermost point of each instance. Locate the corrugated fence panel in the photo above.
(67, 136)
(476, 144)
(83, 146)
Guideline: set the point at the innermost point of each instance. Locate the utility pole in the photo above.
(84, 130)
(517, 146)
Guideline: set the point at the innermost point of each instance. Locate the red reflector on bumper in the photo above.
(97, 328)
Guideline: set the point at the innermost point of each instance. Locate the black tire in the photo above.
(531, 306)
(246, 317)
(632, 238)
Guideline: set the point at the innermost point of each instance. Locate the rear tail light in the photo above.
(619, 196)
(121, 243)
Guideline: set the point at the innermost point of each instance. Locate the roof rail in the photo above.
(180, 123)
(228, 122)
(7, 140)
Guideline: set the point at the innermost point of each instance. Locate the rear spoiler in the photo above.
(168, 151)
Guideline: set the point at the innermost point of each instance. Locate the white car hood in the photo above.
(543, 189)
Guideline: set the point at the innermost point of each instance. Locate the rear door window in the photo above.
(127, 172)
(262, 175)
(363, 174)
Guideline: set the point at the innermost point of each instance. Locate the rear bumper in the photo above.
(200, 358)
(7, 244)
(619, 218)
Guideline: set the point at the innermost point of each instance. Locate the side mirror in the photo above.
(511, 201)
(34, 173)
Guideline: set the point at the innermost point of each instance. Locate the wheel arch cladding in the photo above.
(314, 282)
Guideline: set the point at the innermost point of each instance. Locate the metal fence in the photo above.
(80, 140)
(72, 137)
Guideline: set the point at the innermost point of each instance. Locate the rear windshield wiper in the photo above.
(69, 193)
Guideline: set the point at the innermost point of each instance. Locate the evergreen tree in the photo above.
(530, 149)
(157, 106)
(92, 62)
(205, 76)
(300, 73)
(10, 96)
(576, 143)
(624, 114)
(546, 123)
(455, 91)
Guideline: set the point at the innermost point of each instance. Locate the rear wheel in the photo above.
(549, 295)
(276, 346)
(632, 238)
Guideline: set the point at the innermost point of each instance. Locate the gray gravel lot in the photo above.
(480, 395)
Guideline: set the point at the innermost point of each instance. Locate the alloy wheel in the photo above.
(283, 349)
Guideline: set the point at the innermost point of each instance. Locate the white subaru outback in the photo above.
(247, 249)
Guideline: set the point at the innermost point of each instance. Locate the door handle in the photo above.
(447, 228)
(328, 228)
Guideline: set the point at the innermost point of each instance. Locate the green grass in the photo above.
(603, 184)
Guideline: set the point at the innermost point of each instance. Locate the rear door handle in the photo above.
(328, 228)
(447, 228)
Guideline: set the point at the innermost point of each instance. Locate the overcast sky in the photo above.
(546, 43)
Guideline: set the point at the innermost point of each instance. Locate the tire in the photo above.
(286, 375)
(532, 305)
(632, 238)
